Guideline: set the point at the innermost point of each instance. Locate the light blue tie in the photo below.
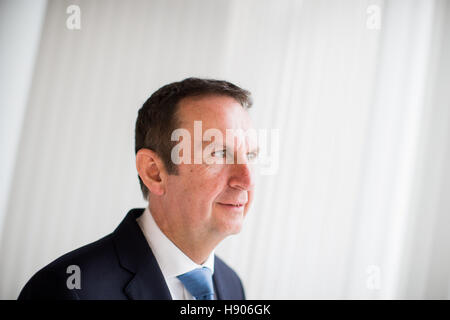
(199, 283)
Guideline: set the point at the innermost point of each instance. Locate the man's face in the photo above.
(202, 197)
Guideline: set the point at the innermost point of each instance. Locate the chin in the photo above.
(228, 221)
(231, 227)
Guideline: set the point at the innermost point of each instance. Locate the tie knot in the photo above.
(199, 283)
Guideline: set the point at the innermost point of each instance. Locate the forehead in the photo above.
(219, 112)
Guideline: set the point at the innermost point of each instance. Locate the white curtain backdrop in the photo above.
(20, 30)
(358, 90)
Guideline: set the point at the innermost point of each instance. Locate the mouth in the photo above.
(232, 205)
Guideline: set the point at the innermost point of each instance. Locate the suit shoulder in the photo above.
(50, 282)
(91, 253)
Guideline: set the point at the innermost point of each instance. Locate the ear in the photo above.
(151, 170)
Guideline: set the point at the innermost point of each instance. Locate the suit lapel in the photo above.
(135, 255)
(219, 282)
(147, 282)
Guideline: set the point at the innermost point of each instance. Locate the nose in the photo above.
(242, 177)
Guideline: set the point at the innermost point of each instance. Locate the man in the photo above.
(197, 197)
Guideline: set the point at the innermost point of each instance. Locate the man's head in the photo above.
(196, 197)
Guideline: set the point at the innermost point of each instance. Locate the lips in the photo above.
(235, 205)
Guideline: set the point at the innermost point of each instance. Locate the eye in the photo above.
(219, 153)
(252, 156)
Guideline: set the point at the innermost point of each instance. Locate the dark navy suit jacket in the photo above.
(121, 265)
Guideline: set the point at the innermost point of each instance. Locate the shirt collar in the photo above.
(171, 259)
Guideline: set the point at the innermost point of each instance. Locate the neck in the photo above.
(196, 245)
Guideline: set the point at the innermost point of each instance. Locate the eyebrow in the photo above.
(254, 150)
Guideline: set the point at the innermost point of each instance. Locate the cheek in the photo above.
(203, 181)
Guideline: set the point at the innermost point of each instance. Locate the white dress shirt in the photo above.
(171, 260)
